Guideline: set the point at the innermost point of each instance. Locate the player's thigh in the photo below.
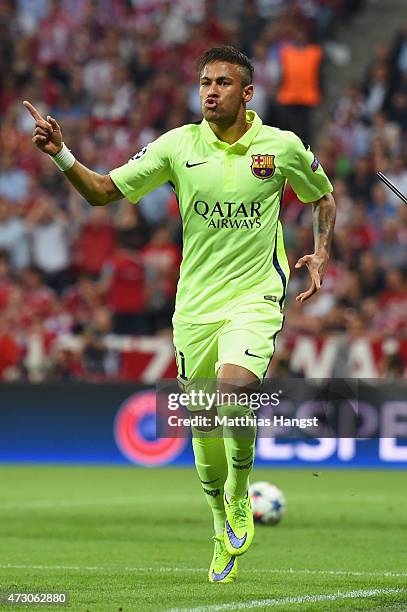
(248, 339)
(196, 350)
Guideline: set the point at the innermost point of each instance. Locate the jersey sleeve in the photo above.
(147, 170)
(304, 172)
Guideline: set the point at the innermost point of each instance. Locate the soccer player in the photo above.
(229, 174)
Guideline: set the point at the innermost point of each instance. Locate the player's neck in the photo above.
(231, 132)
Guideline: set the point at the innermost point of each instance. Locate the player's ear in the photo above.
(248, 93)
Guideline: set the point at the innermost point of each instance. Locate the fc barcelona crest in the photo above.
(263, 166)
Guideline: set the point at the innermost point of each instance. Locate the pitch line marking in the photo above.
(271, 603)
(98, 568)
(55, 504)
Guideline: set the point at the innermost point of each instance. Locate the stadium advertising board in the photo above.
(115, 424)
(148, 359)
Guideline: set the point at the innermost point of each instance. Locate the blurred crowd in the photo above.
(365, 289)
(118, 73)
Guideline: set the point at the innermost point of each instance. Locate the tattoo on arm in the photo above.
(323, 222)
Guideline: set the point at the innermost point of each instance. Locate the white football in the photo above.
(268, 503)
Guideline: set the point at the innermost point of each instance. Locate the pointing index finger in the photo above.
(32, 110)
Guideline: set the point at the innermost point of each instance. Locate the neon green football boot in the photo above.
(239, 526)
(223, 567)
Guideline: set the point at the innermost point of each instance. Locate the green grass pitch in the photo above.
(130, 539)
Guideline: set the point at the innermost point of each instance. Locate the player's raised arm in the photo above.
(96, 188)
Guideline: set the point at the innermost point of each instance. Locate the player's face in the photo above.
(222, 92)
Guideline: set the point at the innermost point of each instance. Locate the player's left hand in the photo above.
(316, 264)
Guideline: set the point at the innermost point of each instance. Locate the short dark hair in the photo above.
(229, 54)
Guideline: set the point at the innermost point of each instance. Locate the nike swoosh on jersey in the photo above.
(188, 165)
(234, 540)
(251, 354)
(224, 572)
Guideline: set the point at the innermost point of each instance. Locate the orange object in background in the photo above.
(300, 68)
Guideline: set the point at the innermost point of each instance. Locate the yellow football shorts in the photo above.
(245, 339)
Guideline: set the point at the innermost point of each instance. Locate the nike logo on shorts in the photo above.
(188, 165)
(251, 354)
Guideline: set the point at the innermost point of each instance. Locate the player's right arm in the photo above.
(144, 172)
(96, 188)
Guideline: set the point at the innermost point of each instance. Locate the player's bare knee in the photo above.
(205, 421)
(231, 373)
(234, 411)
(234, 395)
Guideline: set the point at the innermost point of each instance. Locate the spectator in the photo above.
(266, 76)
(371, 275)
(99, 362)
(343, 201)
(393, 367)
(350, 292)
(361, 235)
(300, 89)
(63, 366)
(398, 108)
(96, 242)
(13, 180)
(388, 134)
(132, 226)
(98, 71)
(397, 175)
(399, 55)
(30, 12)
(173, 25)
(50, 234)
(390, 250)
(81, 300)
(251, 26)
(124, 285)
(6, 281)
(55, 36)
(361, 179)
(393, 303)
(37, 297)
(37, 345)
(155, 205)
(9, 351)
(162, 259)
(13, 237)
(380, 207)
(377, 91)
